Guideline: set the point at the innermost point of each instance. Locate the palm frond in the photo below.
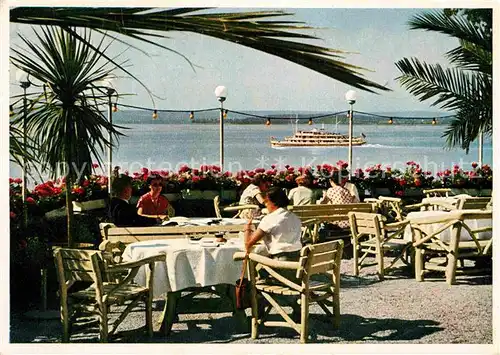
(471, 57)
(66, 122)
(250, 29)
(454, 26)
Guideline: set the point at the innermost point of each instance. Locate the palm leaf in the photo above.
(249, 29)
(454, 26)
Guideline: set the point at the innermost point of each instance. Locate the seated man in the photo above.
(121, 213)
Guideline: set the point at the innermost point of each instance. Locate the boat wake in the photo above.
(377, 146)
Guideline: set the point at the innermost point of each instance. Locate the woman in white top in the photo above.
(280, 229)
(301, 195)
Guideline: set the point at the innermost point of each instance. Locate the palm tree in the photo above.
(66, 122)
(245, 28)
(465, 89)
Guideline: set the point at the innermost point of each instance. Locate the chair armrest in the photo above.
(239, 255)
(134, 264)
(240, 207)
(371, 200)
(388, 198)
(396, 225)
(294, 265)
(310, 221)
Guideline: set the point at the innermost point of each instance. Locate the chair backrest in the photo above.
(77, 265)
(321, 258)
(217, 206)
(129, 235)
(366, 224)
(437, 192)
(391, 207)
(329, 213)
(473, 203)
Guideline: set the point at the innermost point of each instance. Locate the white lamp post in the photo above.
(221, 94)
(23, 80)
(108, 84)
(350, 97)
(480, 148)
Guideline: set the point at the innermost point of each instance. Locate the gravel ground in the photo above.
(396, 310)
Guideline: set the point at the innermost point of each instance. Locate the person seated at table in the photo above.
(337, 194)
(254, 195)
(121, 212)
(280, 230)
(301, 195)
(153, 204)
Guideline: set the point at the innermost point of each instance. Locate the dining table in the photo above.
(441, 202)
(422, 216)
(192, 265)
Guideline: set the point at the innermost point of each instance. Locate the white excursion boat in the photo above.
(317, 138)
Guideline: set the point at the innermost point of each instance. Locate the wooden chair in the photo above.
(390, 207)
(238, 208)
(430, 250)
(371, 236)
(86, 265)
(473, 203)
(317, 259)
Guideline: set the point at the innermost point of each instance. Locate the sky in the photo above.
(375, 38)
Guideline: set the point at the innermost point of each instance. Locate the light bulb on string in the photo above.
(115, 107)
(310, 122)
(155, 114)
(390, 121)
(191, 115)
(11, 110)
(225, 114)
(268, 122)
(434, 121)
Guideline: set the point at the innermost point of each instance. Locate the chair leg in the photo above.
(65, 322)
(304, 317)
(103, 323)
(451, 269)
(255, 315)
(355, 259)
(380, 263)
(148, 299)
(336, 310)
(419, 264)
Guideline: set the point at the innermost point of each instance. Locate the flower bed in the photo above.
(51, 194)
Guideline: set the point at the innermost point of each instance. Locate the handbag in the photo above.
(242, 288)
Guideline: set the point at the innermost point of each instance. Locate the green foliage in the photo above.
(465, 89)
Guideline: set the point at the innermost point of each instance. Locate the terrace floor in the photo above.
(396, 310)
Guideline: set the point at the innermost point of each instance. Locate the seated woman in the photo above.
(153, 204)
(301, 195)
(253, 195)
(121, 212)
(280, 229)
(337, 194)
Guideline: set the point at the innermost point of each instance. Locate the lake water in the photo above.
(167, 146)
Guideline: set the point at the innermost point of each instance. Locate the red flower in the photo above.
(474, 165)
(85, 183)
(11, 180)
(95, 165)
(196, 171)
(18, 180)
(30, 200)
(260, 170)
(195, 179)
(418, 182)
(12, 214)
(78, 190)
(399, 193)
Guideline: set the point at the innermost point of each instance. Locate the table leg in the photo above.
(169, 312)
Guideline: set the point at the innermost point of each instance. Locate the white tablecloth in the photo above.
(450, 200)
(187, 264)
(421, 216)
(203, 221)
